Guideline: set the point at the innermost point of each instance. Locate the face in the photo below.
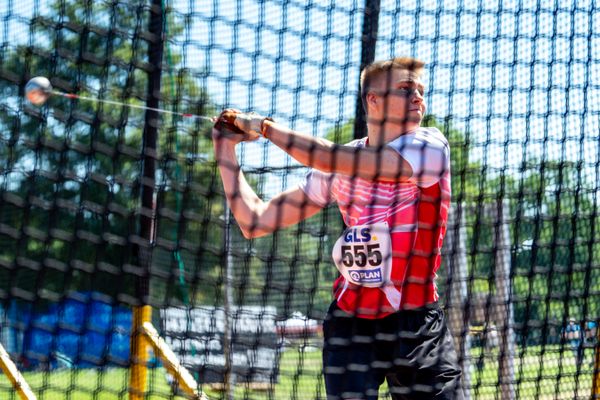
(397, 100)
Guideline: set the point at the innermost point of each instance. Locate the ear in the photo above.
(372, 99)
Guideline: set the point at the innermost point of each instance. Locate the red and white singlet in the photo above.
(389, 255)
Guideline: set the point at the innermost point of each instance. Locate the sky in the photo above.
(519, 77)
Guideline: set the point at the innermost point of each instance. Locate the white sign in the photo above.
(197, 336)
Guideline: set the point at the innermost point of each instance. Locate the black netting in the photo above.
(95, 220)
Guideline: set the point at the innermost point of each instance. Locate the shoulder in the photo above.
(429, 136)
(432, 134)
(422, 138)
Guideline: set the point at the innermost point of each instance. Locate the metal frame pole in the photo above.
(143, 313)
(368, 43)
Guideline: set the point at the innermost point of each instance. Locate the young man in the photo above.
(393, 190)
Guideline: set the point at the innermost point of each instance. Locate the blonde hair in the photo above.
(375, 70)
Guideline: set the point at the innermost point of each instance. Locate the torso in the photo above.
(416, 218)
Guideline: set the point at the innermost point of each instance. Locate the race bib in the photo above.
(363, 254)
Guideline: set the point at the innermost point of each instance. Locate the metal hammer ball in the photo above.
(38, 90)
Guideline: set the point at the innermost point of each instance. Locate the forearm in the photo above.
(245, 205)
(370, 163)
(309, 151)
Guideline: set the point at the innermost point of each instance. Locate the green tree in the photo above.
(556, 253)
(70, 171)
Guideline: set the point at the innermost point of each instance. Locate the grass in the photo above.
(540, 373)
(551, 374)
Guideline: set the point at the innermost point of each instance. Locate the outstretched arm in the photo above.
(255, 217)
(371, 162)
(381, 163)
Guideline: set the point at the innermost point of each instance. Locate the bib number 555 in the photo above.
(359, 255)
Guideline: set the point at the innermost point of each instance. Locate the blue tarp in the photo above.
(81, 331)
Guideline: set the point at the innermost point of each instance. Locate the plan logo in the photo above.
(366, 276)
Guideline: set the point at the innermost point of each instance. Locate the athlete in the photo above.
(393, 190)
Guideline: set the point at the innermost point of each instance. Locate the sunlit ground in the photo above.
(551, 375)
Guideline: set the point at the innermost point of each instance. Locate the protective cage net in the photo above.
(85, 236)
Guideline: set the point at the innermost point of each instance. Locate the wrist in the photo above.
(265, 124)
(253, 124)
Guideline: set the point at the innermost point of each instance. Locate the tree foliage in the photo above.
(70, 175)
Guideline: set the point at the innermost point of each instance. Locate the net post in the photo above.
(142, 313)
(229, 376)
(458, 305)
(171, 363)
(139, 353)
(596, 382)
(370, 28)
(14, 376)
(503, 308)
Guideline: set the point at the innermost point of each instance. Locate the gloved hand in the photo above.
(250, 124)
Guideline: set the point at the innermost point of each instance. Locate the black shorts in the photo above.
(411, 349)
